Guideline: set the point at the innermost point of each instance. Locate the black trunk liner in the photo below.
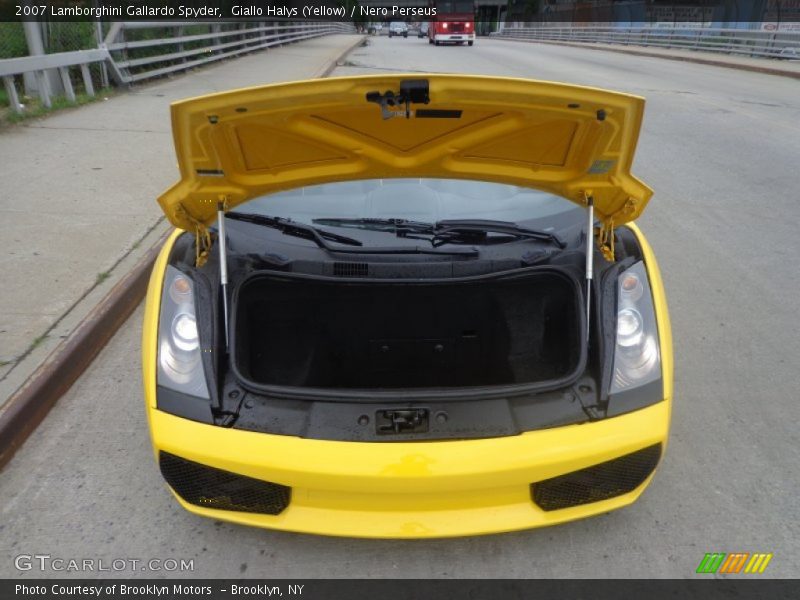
(366, 334)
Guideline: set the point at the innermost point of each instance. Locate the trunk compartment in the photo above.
(335, 333)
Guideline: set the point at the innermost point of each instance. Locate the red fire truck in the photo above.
(454, 22)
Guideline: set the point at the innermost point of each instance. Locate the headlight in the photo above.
(636, 356)
(180, 367)
(444, 25)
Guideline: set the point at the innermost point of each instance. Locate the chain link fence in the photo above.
(56, 37)
(12, 40)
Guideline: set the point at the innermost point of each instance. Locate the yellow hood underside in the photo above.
(569, 140)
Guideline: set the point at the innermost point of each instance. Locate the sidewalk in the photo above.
(78, 205)
(771, 66)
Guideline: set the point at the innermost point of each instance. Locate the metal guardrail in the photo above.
(765, 44)
(152, 52)
(39, 64)
(146, 57)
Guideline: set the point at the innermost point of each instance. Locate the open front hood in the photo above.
(569, 140)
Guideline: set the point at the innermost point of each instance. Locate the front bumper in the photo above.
(403, 490)
(412, 489)
(454, 37)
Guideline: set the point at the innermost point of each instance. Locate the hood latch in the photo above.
(394, 104)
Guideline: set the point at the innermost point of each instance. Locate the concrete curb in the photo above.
(768, 70)
(29, 405)
(329, 66)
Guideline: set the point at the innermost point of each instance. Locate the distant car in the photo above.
(443, 323)
(398, 28)
(423, 30)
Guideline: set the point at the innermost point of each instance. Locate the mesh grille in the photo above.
(214, 488)
(343, 269)
(600, 482)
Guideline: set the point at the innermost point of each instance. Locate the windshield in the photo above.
(425, 200)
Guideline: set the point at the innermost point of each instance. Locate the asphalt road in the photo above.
(722, 150)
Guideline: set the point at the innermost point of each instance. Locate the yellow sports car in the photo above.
(407, 306)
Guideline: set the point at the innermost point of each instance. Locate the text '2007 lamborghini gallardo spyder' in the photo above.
(407, 306)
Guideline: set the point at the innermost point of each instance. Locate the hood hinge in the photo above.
(605, 239)
(605, 234)
(202, 237)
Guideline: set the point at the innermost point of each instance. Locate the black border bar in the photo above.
(701, 587)
(716, 13)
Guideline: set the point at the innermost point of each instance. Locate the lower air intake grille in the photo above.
(600, 482)
(343, 269)
(215, 488)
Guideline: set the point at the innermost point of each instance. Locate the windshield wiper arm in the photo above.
(447, 231)
(393, 225)
(319, 236)
(289, 227)
(454, 229)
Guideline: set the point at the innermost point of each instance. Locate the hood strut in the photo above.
(589, 263)
(223, 266)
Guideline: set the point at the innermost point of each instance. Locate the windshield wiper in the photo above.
(319, 236)
(474, 230)
(289, 227)
(452, 231)
(399, 226)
